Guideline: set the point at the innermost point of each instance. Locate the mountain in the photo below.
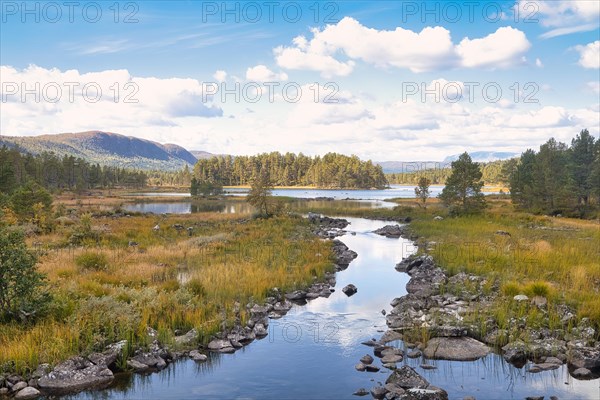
(484, 156)
(107, 148)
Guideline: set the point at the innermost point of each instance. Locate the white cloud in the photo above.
(503, 48)
(538, 63)
(430, 49)
(589, 55)
(220, 75)
(558, 13)
(567, 31)
(261, 73)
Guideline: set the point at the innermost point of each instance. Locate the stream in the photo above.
(311, 352)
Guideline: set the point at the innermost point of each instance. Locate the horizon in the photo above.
(414, 80)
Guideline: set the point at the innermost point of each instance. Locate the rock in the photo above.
(428, 366)
(383, 312)
(366, 359)
(515, 353)
(296, 295)
(222, 345)
(390, 336)
(3, 391)
(371, 343)
(390, 231)
(197, 356)
(553, 360)
(28, 393)
(392, 358)
(137, 366)
(414, 354)
(260, 331)
(406, 378)
(105, 359)
(378, 392)
(584, 357)
(41, 370)
(582, 373)
(458, 349)
(543, 367)
(188, 339)
(342, 254)
(438, 218)
(75, 374)
(371, 368)
(502, 233)
(150, 359)
(360, 367)
(520, 297)
(361, 392)
(18, 386)
(534, 398)
(429, 393)
(349, 290)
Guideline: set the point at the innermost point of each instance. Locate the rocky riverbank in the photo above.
(97, 370)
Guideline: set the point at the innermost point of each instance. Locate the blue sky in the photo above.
(372, 53)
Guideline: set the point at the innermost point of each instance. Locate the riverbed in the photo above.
(311, 352)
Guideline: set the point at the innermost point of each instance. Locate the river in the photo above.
(310, 353)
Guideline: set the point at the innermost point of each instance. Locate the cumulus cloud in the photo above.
(220, 75)
(430, 49)
(589, 55)
(261, 73)
(502, 49)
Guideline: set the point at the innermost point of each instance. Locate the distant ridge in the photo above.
(107, 148)
(484, 156)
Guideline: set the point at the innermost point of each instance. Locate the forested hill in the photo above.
(330, 171)
(107, 149)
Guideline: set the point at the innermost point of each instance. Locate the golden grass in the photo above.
(168, 281)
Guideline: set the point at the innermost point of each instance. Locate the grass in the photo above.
(555, 258)
(108, 290)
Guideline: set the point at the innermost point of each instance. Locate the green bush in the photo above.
(92, 261)
(22, 287)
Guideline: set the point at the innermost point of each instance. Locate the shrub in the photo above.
(511, 289)
(22, 287)
(92, 261)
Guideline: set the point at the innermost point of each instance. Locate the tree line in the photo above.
(559, 179)
(493, 173)
(61, 173)
(332, 171)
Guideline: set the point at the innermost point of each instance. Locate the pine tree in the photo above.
(463, 187)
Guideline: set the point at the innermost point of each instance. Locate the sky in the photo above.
(391, 80)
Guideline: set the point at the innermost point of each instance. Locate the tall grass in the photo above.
(168, 282)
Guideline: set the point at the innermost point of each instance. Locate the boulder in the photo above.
(582, 373)
(150, 359)
(361, 392)
(188, 339)
(137, 366)
(222, 345)
(366, 359)
(296, 295)
(520, 297)
(414, 354)
(584, 357)
(455, 348)
(18, 386)
(406, 378)
(197, 356)
(349, 290)
(429, 393)
(378, 392)
(390, 231)
(73, 375)
(28, 393)
(360, 367)
(515, 353)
